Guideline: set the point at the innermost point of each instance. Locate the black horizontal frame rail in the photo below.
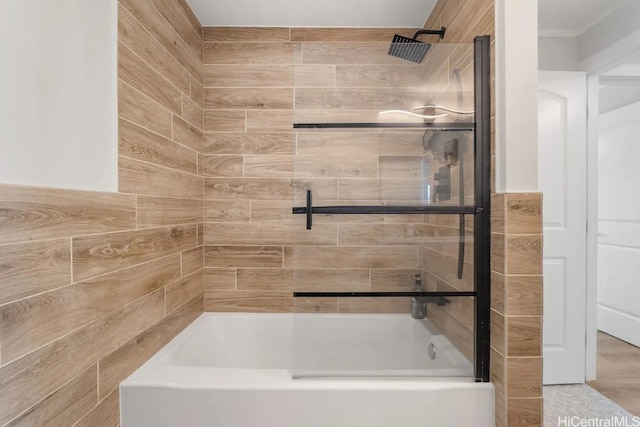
(395, 210)
(383, 294)
(436, 126)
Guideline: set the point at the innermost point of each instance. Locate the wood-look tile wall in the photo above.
(92, 284)
(257, 168)
(516, 254)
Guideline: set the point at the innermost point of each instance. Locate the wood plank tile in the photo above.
(220, 166)
(248, 53)
(366, 35)
(227, 210)
(192, 260)
(248, 76)
(498, 292)
(142, 110)
(34, 213)
(446, 269)
(260, 121)
(246, 188)
(401, 143)
(66, 405)
(183, 5)
(163, 32)
(323, 75)
(200, 234)
(224, 120)
(32, 322)
(197, 92)
(498, 253)
(34, 267)
(524, 295)
(498, 213)
(380, 234)
(248, 98)
(201, 166)
(219, 279)
(350, 53)
(268, 234)
(273, 211)
(138, 143)
(315, 305)
(367, 98)
(524, 412)
(403, 166)
(187, 134)
(135, 72)
(136, 38)
(246, 34)
(248, 301)
(177, 15)
(243, 256)
(394, 280)
(524, 254)
(146, 178)
(465, 18)
(338, 143)
(380, 76)
(322, 188)
(524, 336)
(244, 143)
(359, 189)
(336, 166)
(192, 112)
(106, 413)
(100, 254)
(374, 305)
(338, 280)
(498, 373)
(183, 291)
(524, 377)
(498, 332)
(33, 377)
(340, 257)
(162, 211)
(524, 213)
(121, 363)
(268, 166)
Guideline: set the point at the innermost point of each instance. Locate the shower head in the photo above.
(411, 49)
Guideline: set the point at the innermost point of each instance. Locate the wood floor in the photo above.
(618, 375)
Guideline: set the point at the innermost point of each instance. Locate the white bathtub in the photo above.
(305, 370)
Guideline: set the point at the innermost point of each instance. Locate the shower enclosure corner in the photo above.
(391, 232)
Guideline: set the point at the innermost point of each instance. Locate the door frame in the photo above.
(591, 329)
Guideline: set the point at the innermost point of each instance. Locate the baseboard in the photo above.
(620, 325)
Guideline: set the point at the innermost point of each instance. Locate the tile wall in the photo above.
(92, 284)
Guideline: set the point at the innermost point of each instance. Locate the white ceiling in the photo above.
(573, 17)
(313, 13)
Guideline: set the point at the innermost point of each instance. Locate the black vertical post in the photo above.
(482, 240)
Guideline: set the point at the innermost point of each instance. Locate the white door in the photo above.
(619, 223)
(562, 163)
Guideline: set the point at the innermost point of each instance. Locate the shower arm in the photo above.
(439, 32)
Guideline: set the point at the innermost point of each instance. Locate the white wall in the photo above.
(557, 53)
(516, 128)
(619, 224)
(58, 103)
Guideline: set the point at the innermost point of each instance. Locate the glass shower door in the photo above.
(385, 199)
